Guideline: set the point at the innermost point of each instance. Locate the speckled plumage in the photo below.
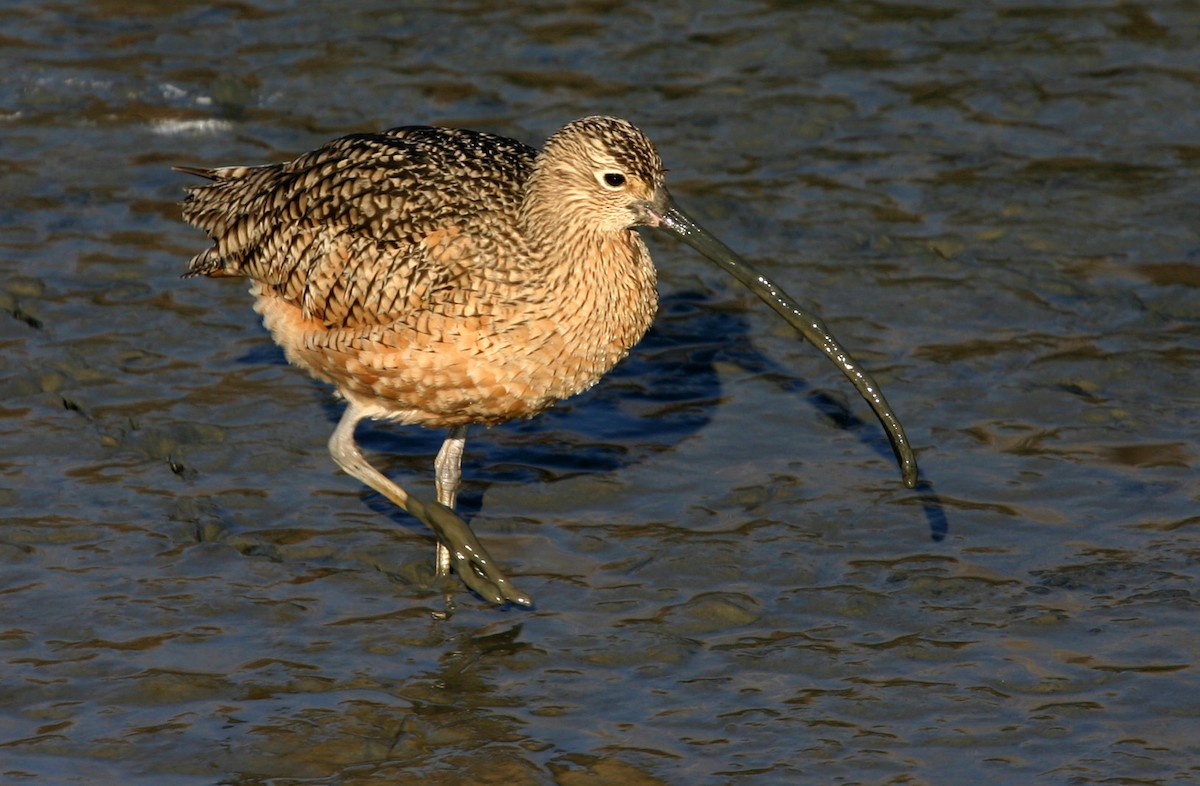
(441, 277)
(446, 278)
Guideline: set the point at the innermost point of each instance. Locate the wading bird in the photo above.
(448, 278)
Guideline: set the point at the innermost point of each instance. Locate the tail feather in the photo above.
(208, 263)
(208, 173)
(222, 208)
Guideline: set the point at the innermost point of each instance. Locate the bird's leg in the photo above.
(448, 471)
(471, 561)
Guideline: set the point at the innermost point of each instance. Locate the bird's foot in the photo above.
(469, 558)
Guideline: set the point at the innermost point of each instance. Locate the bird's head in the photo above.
(603, 173)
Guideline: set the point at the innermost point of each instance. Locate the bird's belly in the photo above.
(442, 371)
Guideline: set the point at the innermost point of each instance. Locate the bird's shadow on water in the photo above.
(662, 393)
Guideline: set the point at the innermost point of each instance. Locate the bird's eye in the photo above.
(613, 179)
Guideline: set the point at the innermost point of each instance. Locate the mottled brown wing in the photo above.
(367, 228)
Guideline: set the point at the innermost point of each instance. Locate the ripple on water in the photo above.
(994, 208)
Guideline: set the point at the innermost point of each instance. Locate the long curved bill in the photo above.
(664, 214)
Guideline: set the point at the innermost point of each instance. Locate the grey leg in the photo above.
(470, 560)
(448, 469)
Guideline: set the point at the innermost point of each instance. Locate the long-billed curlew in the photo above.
(446, 278)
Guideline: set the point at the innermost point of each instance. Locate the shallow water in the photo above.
(994, 208)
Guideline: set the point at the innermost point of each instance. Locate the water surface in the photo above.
(993, 206)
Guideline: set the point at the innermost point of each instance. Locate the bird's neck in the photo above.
(603, 270)
(600, 293)
(605, 281)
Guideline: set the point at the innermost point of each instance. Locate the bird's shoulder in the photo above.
(367, 227)
(398, 185)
